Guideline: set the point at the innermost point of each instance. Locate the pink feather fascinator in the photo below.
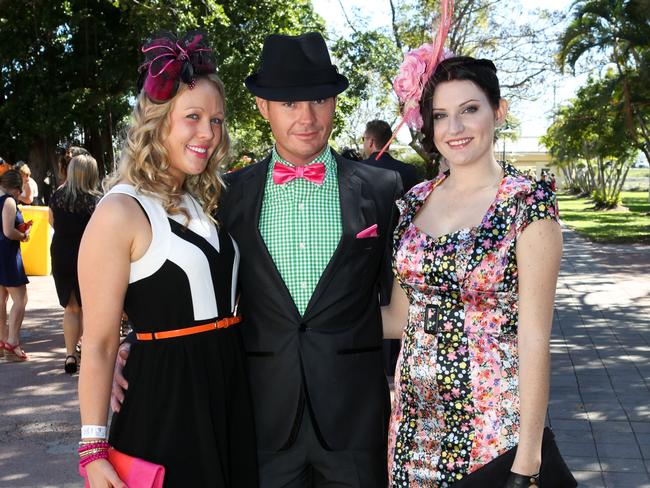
(415, 71)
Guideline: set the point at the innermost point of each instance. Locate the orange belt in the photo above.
(197, 329)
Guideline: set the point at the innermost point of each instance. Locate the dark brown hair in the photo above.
(481, 72)
(380, 131)
(11, 179)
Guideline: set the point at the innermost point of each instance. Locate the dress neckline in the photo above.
(469, 230)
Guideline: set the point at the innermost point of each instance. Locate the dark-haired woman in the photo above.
(476, 256)
(13, 280)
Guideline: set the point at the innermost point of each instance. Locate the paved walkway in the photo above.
(600, 398)
(600, 393)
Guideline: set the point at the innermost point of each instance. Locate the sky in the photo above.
(533, 115)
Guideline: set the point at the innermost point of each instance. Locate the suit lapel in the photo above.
(351, 222)
(252, 195)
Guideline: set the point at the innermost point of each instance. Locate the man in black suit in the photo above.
(313, 327)
(314, 233)
(375, 137)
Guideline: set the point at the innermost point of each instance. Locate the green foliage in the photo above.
(615, 33)
(69, 69)
(588, 140)
(609, 29)
(619, 225)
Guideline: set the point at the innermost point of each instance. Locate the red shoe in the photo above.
(2, 349)
(12, 355)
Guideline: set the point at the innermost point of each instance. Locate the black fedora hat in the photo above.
(296, 68)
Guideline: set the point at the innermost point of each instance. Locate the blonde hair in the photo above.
(144, 162)
(64, 161)
(24, 169)
(83, 178)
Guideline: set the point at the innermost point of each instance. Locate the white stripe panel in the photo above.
(235, 274)
(200, 224)
(195, 265)
(156, 254)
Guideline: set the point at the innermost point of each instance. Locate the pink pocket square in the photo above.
(369, 232)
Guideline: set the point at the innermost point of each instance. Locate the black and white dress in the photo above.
(188, 404)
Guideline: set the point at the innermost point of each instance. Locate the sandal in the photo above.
(70, 367)
(12, 355)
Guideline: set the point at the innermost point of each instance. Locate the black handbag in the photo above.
(553, 473)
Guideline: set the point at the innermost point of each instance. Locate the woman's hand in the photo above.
(102, 475)
(520, 481)
(526, 467)
(25, 237)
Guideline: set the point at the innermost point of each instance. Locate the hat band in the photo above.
(291, 78)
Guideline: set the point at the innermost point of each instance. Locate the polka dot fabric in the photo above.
(456, 403)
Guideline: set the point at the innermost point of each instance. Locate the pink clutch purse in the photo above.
(135, 472)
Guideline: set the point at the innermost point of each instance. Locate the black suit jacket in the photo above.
(328, 360)
(407, 172)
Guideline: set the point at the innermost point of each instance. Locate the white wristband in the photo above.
(93, 432)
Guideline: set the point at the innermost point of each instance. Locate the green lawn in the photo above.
(637, 179)
(611, 226)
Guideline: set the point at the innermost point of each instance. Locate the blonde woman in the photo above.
(70, 209)
(29, 194)
(152, 250)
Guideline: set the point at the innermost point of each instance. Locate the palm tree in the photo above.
(616, 32)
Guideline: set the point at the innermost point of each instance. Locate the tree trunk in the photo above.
(42, 160)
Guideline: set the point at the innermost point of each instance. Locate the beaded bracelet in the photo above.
(93, 457)
(84, 448)
(92, 451)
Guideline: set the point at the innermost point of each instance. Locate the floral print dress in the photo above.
(456, 403)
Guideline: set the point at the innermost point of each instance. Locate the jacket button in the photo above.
(304, 328)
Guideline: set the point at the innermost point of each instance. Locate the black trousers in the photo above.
(307, 464)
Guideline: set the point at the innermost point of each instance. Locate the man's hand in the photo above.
(119, 382)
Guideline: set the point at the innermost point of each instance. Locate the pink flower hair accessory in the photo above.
(411, 80)
(169, 60)
(415, 71)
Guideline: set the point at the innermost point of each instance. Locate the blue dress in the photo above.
(12, 271)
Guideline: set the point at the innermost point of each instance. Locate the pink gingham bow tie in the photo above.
(313, 172)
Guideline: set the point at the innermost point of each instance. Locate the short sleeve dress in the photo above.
(69, 226)
(12, 270)
(188, 404)
(456, 403)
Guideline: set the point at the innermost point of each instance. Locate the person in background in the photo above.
(476, 254)
(70, 153)
(70, 209)
(29, 194)
(553, 182)
(375, 137)
(4, 166)
(351, 154)
(13, 280)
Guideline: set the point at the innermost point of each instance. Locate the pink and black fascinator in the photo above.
(169, 60)
(416, 69)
